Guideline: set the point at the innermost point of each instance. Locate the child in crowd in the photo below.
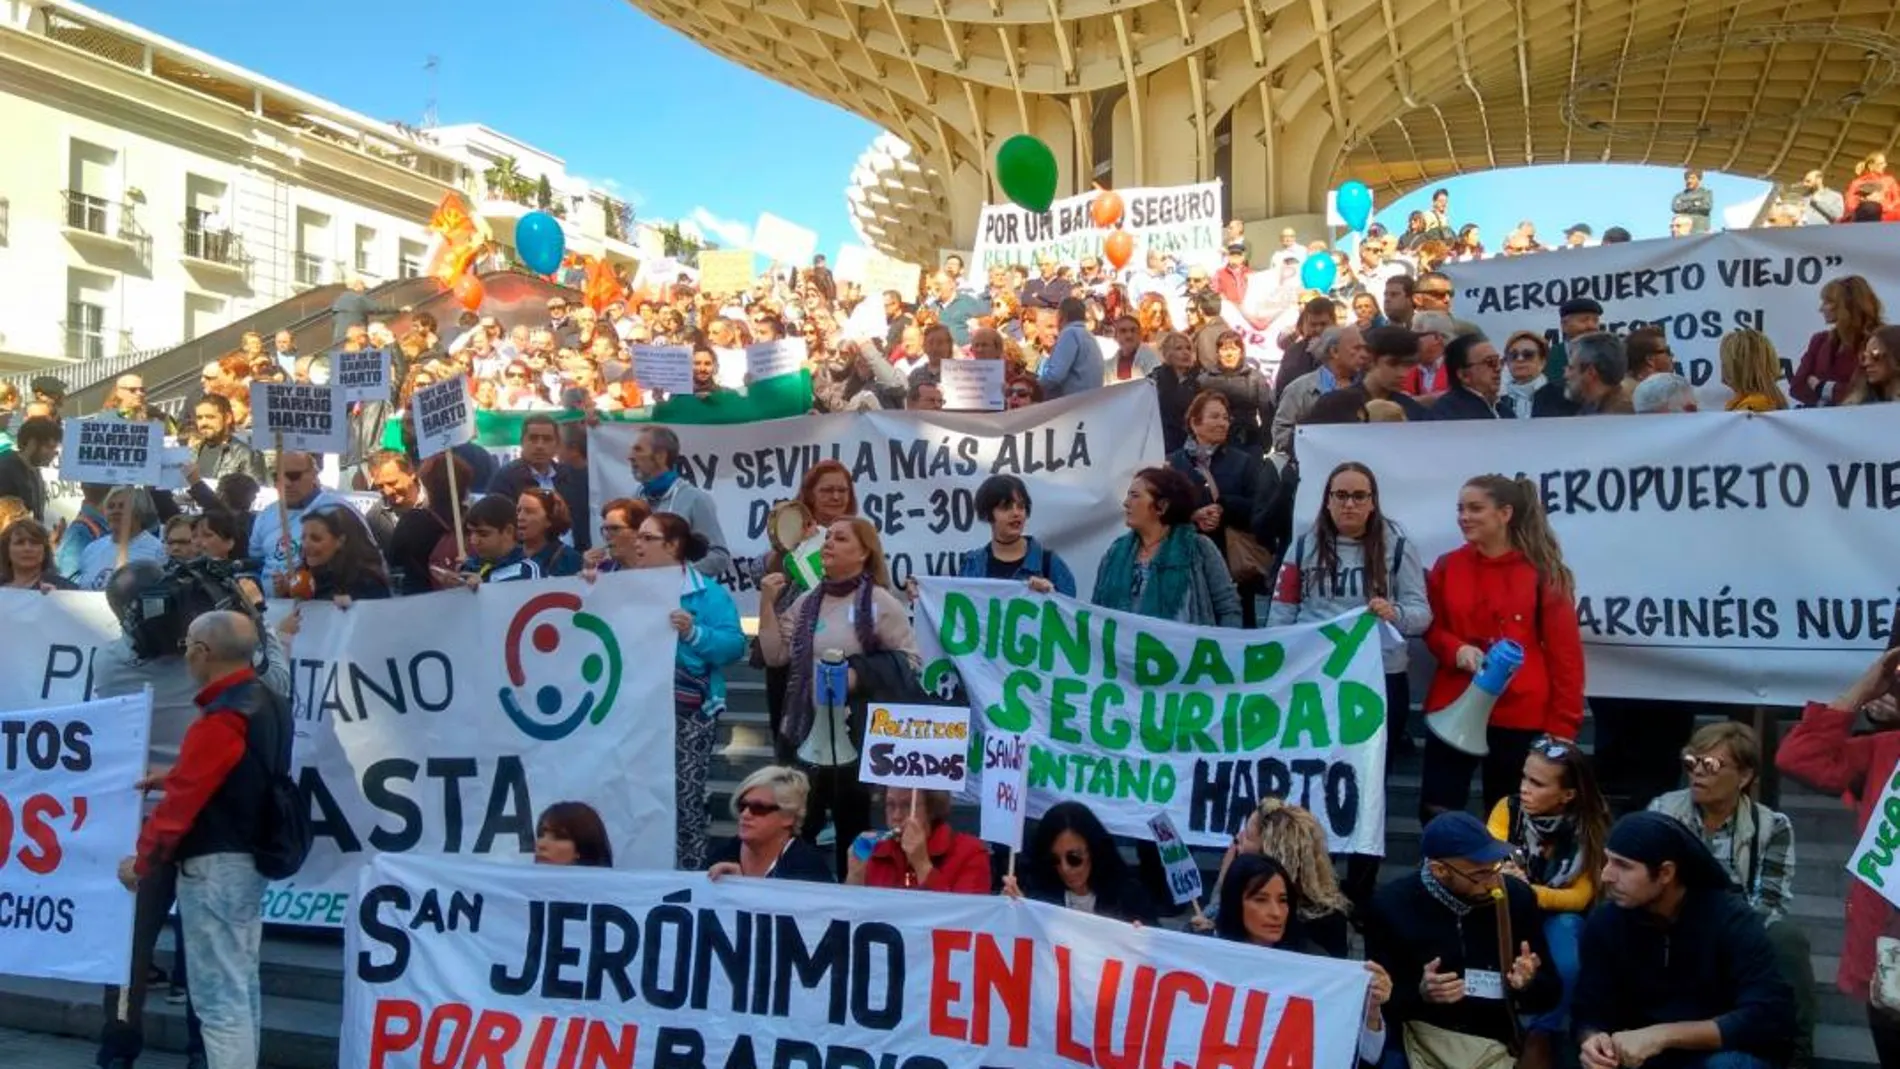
(494, 554)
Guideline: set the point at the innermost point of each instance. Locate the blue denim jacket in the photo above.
(1037, 562)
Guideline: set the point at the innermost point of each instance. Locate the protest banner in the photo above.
(1872, 861)
(916, 475)
(664, 367)
(926, 747)
(1131, 715)
(299, 417)
(1179, 221)
(69, 812)
(1695, 289)
(443, 416)
(1004, 798)
(112, 451)
(442, 723)
(1694, 616)
(363, 376)
(482, 966)
(973, 385)
(1184, 876)
(770, 359)
(725, 271)
(783, 241)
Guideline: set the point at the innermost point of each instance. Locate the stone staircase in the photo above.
(302, 968)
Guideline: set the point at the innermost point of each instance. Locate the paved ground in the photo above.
(27, 1050)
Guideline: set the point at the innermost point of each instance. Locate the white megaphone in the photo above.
(829, 743)
(1461, 724)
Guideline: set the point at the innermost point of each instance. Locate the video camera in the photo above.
(156, 603)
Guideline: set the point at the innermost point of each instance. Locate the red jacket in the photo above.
(1477, 600)
(1827, 359)
(1821, 753)
(213, 746)
(1414, 381)
(959, 864)
(1886, 191)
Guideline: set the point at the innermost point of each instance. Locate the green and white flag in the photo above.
(1872, 861)
(805, 562)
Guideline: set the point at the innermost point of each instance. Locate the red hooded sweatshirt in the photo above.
(1477, 600)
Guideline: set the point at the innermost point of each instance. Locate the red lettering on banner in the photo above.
(1135, 1032)
(1292, 1037)
(495, 1036)
(385, 1038)
(1173, 986)
(39, 822)
(1066, 1046)
(570, 1044)
(945, 992)
(1008, 979)
(1216, 1050)
(603, 1051)
(455, 1017)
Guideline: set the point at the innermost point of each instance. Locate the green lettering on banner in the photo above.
(1154, 665)
(1263, 662)
(1346, 643)
(1361, 712)
(1307, 717)
(1014, 715)
(1062, 712)
(1112, 735)
(1019, 648)
(1252, 726)
(1206, 663)
(961, 630)
(1071, 643)
(1197, 713)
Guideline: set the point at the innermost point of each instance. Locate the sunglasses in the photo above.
(1701, 763)
(1027, 395)
(1351, 497)
(759, 809)
(1551, 749)
(1523, 354)
(1072, 859)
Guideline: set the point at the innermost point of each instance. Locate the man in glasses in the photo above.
(276, 532)
(1474, 372)
(1435, 931)
(1432, 292)
(1677, 970)
(1753, 844)
(1435, 331)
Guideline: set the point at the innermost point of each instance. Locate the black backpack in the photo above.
(283, 822)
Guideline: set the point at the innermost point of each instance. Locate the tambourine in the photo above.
(787, 523)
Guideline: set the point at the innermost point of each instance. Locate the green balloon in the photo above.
(1026, 170)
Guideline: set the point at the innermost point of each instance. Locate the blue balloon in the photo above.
(539, 240)
(1318, 271)
(1354, 202)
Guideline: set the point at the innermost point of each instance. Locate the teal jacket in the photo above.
(716, 640)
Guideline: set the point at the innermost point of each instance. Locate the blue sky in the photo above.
(683, 133)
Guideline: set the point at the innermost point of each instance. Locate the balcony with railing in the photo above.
(88, 342)
(105, 223)
(220, 250)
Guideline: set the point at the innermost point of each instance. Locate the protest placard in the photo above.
(972, 385)
(301, 417)
(1004, 798)
(443, 415)
(362, 376)
(672, 970)
(1129, 714)
(725, 271)
(784, 241)
(664, 367)
(916, 475)
(883, 274)
(112, 451)
(1872, 861)
(768, 359)
(1695, 289)
(1676, 622)
(1179, 221)
(1184, 876)
(69, 811)
(926, 747)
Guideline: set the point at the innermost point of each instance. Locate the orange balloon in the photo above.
(469, 292)
(1107, 209)
(1119, 248)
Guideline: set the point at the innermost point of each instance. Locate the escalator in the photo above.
(172, 378)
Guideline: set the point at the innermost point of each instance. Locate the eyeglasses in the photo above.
(647, 536)
(612, 530)
(1550, 749)
(759, 809)
(294, 476)
(1701, 764)
(1072, 859)
(1524, 354)
(1351, 497)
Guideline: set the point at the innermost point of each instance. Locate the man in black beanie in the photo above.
(1676, 971)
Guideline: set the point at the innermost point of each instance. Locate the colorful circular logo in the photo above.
(551, 624)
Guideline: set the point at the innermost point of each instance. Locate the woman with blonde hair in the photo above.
(769, 806)
(1152, 313)
(1752, 370)
(1852, 312)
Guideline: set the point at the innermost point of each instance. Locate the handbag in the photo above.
(1247, 560)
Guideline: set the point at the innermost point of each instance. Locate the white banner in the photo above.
(1695, 289)
(112, 451)
(299, 417)
(783, 241)
(442, 416)
(442, 723)
(673, 971)
(916, 475)
(973, 385)
(1179, 221)
(69, 812)
(1131, 715)
(362, 376)
(1719, 557)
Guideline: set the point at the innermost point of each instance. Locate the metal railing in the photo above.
(314, 270)
(108, 219)
(214, 246)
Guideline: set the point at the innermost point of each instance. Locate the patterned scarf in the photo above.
(1458, 906)
(797, 721)
(1556, 832)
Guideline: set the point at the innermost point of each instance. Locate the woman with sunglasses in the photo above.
(709, 640)
(1073, 863)
(1524, 358)
(541, 518)
(1557, 822)
(1021, 391)
(1264, 909)
(770, 806)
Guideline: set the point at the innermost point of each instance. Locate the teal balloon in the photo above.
(1318, 271)
(1026, 170)
(539, 241)
(1354, 202)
